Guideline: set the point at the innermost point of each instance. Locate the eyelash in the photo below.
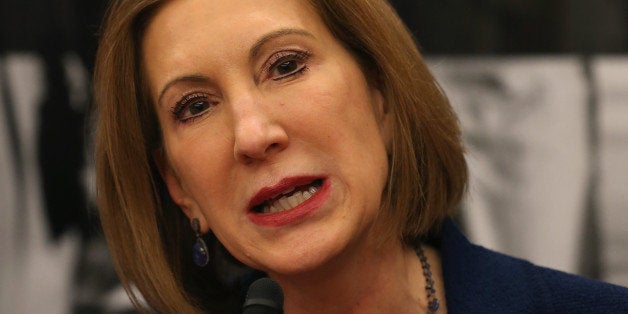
(284, 57)
(179, 109)
(280, 58)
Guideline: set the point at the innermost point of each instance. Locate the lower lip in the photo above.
(293, 215)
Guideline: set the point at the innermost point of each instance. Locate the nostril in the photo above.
(272, 146)
(275, 147)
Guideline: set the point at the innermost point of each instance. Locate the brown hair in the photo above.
(150, 238)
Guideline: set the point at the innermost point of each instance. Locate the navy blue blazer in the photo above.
(478, 280)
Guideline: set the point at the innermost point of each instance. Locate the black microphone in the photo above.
(264, 297)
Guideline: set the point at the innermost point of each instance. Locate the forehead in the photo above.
(192, 36)
(227, 21)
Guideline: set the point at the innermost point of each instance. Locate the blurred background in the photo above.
(541, 89)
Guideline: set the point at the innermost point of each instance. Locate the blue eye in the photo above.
(191, 107)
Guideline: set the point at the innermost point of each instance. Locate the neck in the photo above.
(363, 280)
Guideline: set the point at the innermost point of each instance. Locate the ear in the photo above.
(176, 190)
(383, 116)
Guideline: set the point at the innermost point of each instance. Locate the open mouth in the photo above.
(289, 198)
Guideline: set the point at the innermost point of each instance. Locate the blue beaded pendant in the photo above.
(433, 305)
(200, 254)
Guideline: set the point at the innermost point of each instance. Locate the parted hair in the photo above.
(149, 237)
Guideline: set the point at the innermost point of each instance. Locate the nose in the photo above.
(258, 133)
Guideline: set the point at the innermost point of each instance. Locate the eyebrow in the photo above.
(185, 78)
(255, 49)
(253, 52)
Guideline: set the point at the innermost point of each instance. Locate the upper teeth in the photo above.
(288, 202)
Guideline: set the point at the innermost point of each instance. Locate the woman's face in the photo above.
(272, 136)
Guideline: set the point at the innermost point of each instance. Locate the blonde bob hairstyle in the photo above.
(150, 238)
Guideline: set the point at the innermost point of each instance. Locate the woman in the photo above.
(307, 138)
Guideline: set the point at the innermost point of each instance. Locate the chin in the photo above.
(313, 256)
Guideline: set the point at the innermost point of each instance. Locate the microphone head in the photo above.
(263, 297)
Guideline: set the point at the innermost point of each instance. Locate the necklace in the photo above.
(432, 301)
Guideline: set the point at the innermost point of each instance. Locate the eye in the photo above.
(286, 68)
(191, 107)
(287, 64)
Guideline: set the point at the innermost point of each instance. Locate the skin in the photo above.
(253, 123)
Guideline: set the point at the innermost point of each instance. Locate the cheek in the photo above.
(344, 115)
(339, 118)
(201, 163)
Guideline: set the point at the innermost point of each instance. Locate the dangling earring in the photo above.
(199, 250)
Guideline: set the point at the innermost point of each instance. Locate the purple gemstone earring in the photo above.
(199, 250)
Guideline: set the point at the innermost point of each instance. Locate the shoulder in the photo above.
(560, 291)
(478, 280)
